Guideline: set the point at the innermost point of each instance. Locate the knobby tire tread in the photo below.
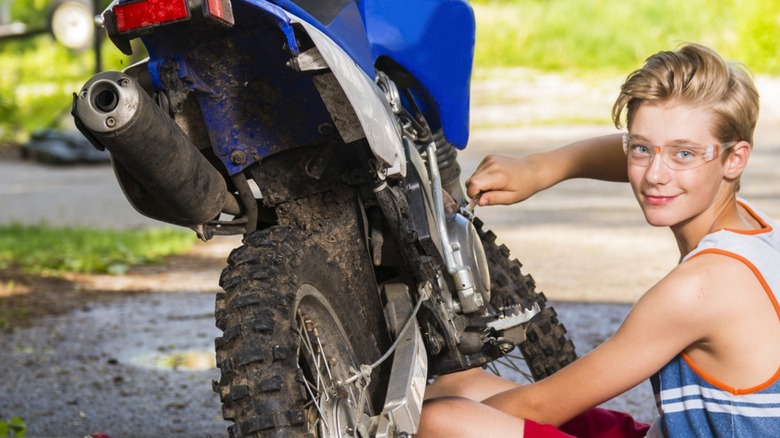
(261, 383)
(547, 347)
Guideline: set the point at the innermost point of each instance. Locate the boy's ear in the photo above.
(737, 159)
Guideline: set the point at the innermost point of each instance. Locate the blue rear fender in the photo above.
(340, 20)
(433, 40)
(253, 103)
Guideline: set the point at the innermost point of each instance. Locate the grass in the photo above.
(45, 250)
(617, 35)
(582, 50)
(14, 427)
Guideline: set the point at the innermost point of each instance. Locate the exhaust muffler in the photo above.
(114, 112)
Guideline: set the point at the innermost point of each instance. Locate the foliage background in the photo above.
(617, 35)
(582, 37)
(38, 75)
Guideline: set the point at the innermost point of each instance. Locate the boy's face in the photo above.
(674, 197)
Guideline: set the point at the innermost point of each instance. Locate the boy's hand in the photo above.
(502, 180)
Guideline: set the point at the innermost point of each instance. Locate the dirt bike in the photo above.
(326, 133)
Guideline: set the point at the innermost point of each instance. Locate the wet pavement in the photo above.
(140, 365)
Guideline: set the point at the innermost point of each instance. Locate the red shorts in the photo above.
(593, 423)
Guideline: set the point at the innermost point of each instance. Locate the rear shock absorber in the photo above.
(446, 153)
(449, 168)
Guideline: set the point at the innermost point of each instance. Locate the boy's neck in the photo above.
(725, 214)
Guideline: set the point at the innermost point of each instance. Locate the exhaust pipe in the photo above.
(114, 112)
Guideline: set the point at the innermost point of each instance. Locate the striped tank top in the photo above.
(693, 404)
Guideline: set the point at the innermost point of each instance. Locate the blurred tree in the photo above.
(758, 31)
(39, 76)
(33, 13)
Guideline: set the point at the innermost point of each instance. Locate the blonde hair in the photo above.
(698, 76)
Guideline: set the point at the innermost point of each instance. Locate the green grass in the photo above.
(15, 427)
(617, 35)
(41, 249)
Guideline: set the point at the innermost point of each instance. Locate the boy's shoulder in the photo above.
(712, 268)
(708, 281)
(693, 300)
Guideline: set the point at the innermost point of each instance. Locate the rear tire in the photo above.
(547, 347)
(291, 331)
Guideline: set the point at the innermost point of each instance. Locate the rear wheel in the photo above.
(293, 334)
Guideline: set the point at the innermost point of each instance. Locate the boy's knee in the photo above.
(437, 415)
(454, 384)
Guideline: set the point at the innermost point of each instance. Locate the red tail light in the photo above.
(146, 13)
(219, 10)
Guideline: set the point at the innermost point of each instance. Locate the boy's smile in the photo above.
(658, 200)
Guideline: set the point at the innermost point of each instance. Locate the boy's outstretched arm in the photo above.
(674, 314)
(506, 180)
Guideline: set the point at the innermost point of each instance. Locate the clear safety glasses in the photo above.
(676, 156)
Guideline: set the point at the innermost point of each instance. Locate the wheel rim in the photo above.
(327, 360)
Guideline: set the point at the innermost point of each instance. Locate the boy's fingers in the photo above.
(498, 197)
(475, 185)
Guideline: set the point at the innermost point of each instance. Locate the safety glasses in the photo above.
(676, 156)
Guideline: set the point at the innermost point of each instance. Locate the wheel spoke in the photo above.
(306, 341)
(325, 360)
(321, 384)
(511, 362)
(314, 397)
(315, 356)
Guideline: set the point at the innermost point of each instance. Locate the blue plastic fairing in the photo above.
(346, 28)
(252, 101)
(434, 41)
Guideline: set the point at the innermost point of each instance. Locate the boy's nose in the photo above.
(657, 171)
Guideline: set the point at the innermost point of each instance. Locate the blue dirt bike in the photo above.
(326, 133)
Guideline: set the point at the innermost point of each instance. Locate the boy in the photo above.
(707, 333)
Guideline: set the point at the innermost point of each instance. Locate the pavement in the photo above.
(585, 243)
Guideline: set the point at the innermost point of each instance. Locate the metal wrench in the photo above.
(473, 203)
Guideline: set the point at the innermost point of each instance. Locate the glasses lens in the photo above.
(682, 156)
(638, 152)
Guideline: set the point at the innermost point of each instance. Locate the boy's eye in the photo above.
(686, 153)
(640, 149)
